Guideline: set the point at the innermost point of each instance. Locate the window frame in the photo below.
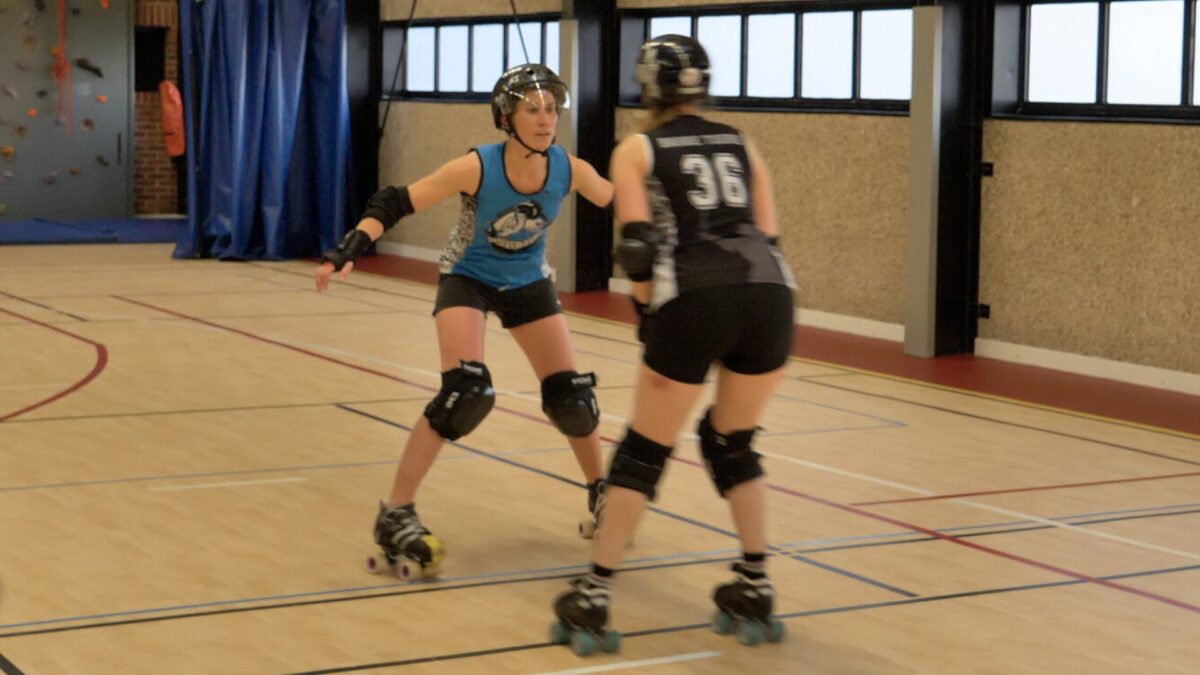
(1188, 110)
(401, 93)
(796, 103)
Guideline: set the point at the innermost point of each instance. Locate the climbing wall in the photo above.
(66, 108)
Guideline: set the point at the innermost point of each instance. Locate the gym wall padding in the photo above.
(1090, 242)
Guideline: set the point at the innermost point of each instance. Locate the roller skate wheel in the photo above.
(377, 563)
(750, 633)
(560, 633)
(722, 622)
(612, 641)
(583, 643)
(408, 569)
(587, 528)
(775, 631)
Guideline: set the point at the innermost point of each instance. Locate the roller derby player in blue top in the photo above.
(699, 245)
(495, 260)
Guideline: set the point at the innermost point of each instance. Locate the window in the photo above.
(418, 73)
(461, 59)
(887, 54)
(1145, 62)
(722, 39)
(1108, 59)
(453, 44)
(488, 45)
(770, 43)
(1062, 52)
(670, 25)
(827, 58)
(811, 54)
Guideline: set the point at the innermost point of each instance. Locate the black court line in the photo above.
(695, 626)
(988, 533)
(1019, 425)
(435, 587)
(415, 588)
(8, 667)
(649, 507)
(202, 411)
(46, 307)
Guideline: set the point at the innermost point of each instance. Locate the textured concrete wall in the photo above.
(1090, 240)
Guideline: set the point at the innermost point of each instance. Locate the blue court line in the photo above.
(650, 507)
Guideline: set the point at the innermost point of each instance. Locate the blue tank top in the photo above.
(500, 238)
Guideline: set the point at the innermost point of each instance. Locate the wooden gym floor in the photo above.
(191, 453)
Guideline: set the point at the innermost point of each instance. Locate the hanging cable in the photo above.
(399, 64)
(520, 33)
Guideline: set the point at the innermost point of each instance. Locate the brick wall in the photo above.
(155, 181)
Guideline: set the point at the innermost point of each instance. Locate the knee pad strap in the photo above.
(466, 397)
(728, 457)
(638, 463)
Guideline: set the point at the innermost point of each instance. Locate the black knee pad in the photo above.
(465, 399)
(728, 457)
(638, 463)
(568, 401)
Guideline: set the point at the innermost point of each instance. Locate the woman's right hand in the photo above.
(325, 271)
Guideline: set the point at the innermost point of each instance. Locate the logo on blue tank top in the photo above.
(517, 228)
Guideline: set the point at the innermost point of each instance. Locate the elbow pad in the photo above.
(389, 205)
(638, 249)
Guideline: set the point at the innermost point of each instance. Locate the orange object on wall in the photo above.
(172, 118)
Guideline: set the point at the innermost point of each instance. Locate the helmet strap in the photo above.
(513, 132)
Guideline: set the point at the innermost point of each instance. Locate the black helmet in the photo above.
(513, 84)
(672, 69)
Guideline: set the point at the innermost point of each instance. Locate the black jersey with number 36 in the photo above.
(698, 183)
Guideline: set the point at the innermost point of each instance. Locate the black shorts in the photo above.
(515, 306)
(747, 327)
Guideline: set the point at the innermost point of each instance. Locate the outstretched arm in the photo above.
(389, 205)
(589, 183)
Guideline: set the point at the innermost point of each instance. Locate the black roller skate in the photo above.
(582, 614)
(409, 549)
(591, 523)
(744, 606)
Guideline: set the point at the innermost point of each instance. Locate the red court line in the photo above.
(978, 547)
(101, 362)
(323, 357)
(770, 486)
(1060, 486)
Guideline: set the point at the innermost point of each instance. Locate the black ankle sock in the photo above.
(600, 576)
(753, 565)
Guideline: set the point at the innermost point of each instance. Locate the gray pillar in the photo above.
(568, 132)
(925, 138)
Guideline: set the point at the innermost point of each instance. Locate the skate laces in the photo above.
(590, 594)
(753, 587)
(404, 525)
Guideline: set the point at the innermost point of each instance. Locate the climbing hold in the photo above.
(30, 42)
(101, 98)
(88, 125)
(50, 178)
(43, 93)
(23, 64)
(90, 67)
(102, 161)
(6, 176)
(9, 90)
(8, 151)
(21, 131)
(74, 171)
(32, 112)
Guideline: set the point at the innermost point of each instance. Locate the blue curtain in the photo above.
(268, 117)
